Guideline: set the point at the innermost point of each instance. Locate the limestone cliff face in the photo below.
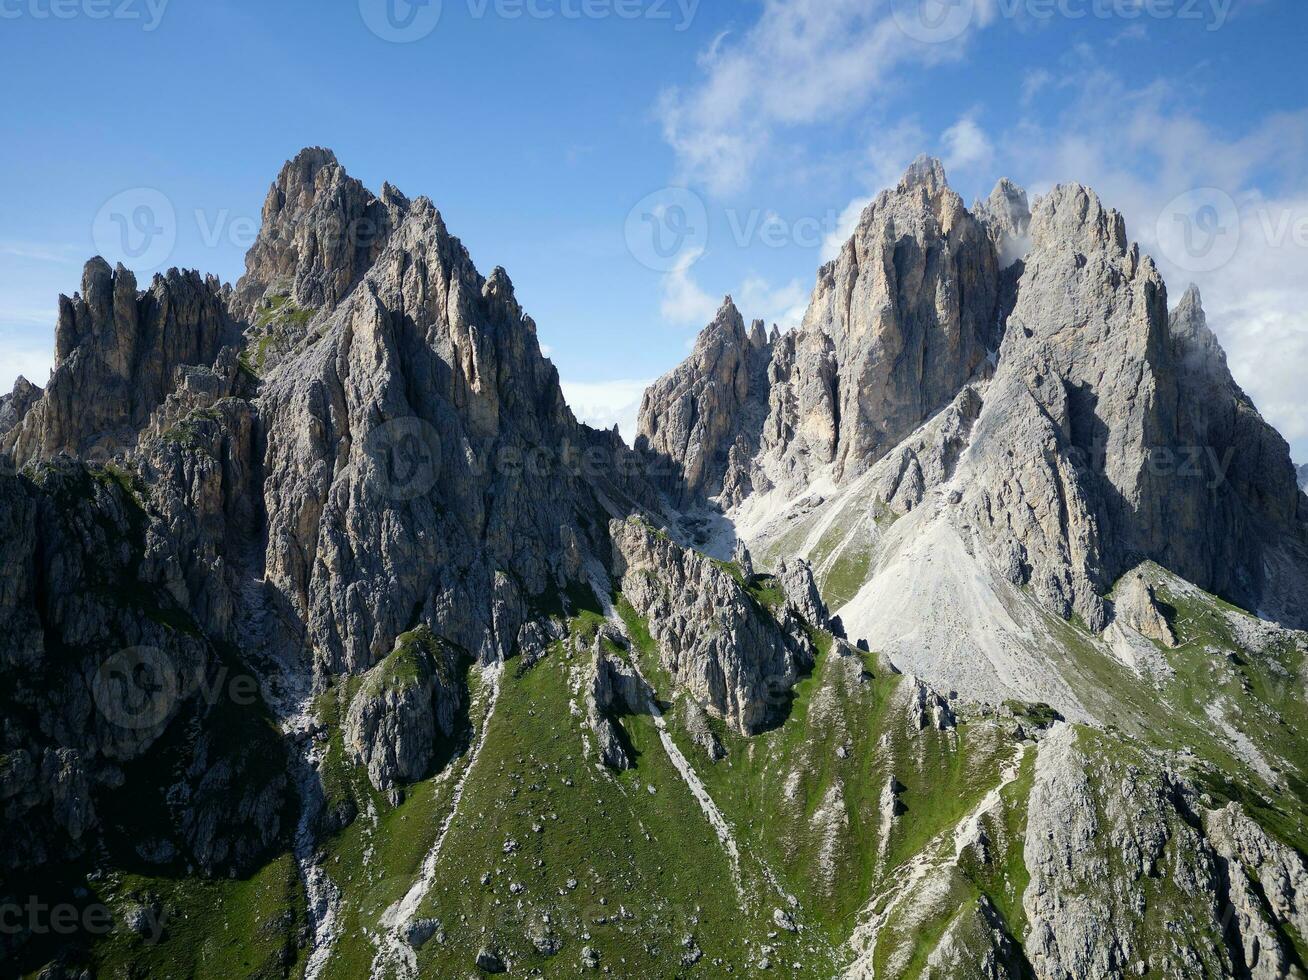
(713, 638)
(321, 232)
(896, 325)
(117, 351)
(422, 465)
(700, 425)
(909, 308)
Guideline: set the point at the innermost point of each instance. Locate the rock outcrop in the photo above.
(117, 353)
(796, 578)
(614, 689)
(14, 405)
(1137, 607)
(404, 708)
(322, 231)
(700, 425)
(713, 639)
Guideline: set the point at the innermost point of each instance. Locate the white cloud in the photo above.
(684, 303)
(39, 252)
(967, 146)
(784, 305)
(803, 61)
(603, 404)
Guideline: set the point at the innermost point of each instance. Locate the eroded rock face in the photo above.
(14, 405)
(420, 448)
(700, 425)
(322, 231)
(117, 352)
(713, 639)
(403, 707)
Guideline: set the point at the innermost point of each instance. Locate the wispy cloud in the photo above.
(803, 61)
(39, 252)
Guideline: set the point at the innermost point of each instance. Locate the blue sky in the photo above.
(538, 125)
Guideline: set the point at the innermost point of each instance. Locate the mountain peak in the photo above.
(926, 171)
(322, 230)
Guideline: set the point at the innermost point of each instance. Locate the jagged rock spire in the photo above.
(322, 230)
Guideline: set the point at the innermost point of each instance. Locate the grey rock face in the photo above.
(796, 577)
(1137, 607)
(116, 355)
(420, 447)
(1006, 214)
(14, 405)
(322, 230)
(713, 639)
(1303, 477)
(403, 705)
(700, 425)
